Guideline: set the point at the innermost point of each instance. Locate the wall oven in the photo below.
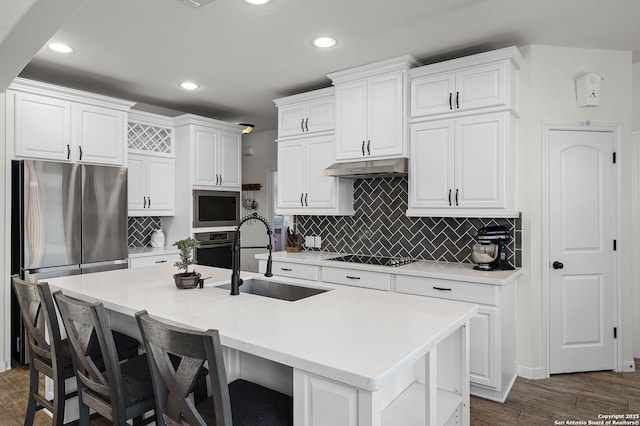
(215, 208)
(214, 248)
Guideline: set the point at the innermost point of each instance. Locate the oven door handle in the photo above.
(210, 246)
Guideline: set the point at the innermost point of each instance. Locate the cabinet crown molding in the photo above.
(400, 63)
(508, 53)
(24, 85)
(301, 97)
(186, 119)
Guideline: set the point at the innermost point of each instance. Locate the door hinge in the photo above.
(614, 158)
(615, 332)
(615, 245)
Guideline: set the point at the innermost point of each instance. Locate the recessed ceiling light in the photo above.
(189, 85)
(257, 2)
(60, 48)
(324, 41)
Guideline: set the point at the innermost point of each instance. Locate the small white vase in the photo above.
(157, 238)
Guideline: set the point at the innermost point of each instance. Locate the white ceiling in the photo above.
(245, 56)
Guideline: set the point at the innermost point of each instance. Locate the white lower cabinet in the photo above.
(492, 341)
(153, 260)
(292, 270)
(354, 277)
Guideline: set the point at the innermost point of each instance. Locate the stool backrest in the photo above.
(172, 385)
(103, 386)
(40, 320)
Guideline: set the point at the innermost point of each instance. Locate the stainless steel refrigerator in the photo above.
(66, 219)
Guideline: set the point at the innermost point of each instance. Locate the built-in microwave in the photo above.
(215, 208)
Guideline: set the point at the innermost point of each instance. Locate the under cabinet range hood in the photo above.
(369, 169)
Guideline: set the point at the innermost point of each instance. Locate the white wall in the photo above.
(547, 94)
(5, 326)
(255, 170)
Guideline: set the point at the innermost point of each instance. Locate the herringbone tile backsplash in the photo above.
(140, 229)
(380, 227)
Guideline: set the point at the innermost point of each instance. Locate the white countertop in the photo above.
(152, 251)
(423, 268)
(356, 336)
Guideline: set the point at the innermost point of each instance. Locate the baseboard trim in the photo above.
(628, 366)
(531, 372)
(4, 366)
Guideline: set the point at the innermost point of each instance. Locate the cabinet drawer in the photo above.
(374, 280)
(485, 294)
(294, 270)
(160, 259)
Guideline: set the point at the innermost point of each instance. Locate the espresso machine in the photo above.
(489, 253)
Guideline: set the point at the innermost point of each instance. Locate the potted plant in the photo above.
(186, 279)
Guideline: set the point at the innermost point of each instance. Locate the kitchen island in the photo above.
(349, 356)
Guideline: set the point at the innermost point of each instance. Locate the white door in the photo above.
(205, 143)
(101, 135)
(385, 120)
(290, 175)
(351, 121)
(136, 184)
(161, 183)
(581, 238)
(229, 162)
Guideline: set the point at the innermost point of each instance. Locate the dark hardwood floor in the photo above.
(563, 397)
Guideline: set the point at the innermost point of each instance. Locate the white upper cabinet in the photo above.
(54, 123)
(486, 81)
(302, 188)
(460, 167)
(307, 113)
(211, 151)
(371, 110)
(151, 163)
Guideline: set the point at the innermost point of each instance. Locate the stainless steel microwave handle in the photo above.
(210, 246)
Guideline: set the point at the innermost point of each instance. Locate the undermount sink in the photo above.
(275, 290)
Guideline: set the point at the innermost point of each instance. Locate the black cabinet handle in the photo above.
(144, 200)
(450, 100)
(368, 147)
(161, 261)
(352, 277)
(558, 265)
(302, 125)
(306, 199)
(456, 196)
(80, 148)
(68, 152)
(220, 179)
(301, 198)
(441, 288)
(449, 197)
(457, 100)
(363, 148)
(286, 269)
(306, 124)
(149, 201)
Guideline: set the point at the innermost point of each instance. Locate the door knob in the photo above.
(558, 265)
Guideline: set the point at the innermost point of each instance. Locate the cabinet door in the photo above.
(291, 175)
(484, 353)
(479, 160)
(291, 120)
(229, 167)
(101, 135)
(205, 142)
(351, 120)
(320, 116)
(320, 190)
(431, 165)
(42, 127)
(385, 116)
(136, 184)
(481, 87)
(160, 179)
(432, 94)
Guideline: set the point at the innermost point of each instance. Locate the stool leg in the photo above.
(34, 382)
(58, 402)
(84, 412)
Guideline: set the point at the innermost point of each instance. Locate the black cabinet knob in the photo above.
(558, 265)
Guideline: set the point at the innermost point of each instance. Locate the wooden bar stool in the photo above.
(240, 403)
(49, 354)
(118, 392)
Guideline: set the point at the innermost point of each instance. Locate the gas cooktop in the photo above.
(373, 260)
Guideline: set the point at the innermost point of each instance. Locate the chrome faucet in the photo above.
(236, 281)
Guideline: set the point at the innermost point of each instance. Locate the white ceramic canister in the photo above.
(157, 238)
